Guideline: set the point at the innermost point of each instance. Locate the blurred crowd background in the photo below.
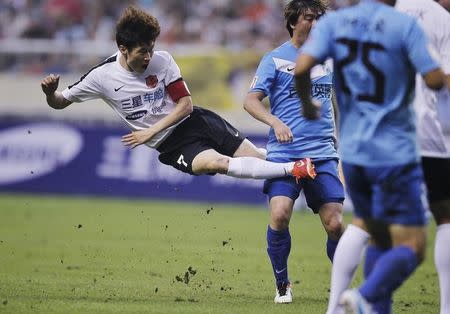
(217, 43)
(228, 24)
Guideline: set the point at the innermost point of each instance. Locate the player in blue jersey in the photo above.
(376, 52)
(292, 137)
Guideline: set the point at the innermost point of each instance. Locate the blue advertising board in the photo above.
(60, 157)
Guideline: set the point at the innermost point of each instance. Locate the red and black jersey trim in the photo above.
(109, 60)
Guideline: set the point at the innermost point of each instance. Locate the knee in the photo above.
(280, 219)
(217, 165)
(334, 227)
(333, 223)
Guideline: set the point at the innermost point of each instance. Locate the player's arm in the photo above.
(184, 107)
(436, 79)
(311, 109)
(55, 99)
(254, 106)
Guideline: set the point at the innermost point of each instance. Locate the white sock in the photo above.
(252, 167)
(346, 259)
(442, 262)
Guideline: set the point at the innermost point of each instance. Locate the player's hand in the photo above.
(50, 84)
(136, 138)
(282, 132)
(311, 111)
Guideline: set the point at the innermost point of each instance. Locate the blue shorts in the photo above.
(395, 195)
(325, 188)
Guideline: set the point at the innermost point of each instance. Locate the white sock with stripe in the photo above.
(252, 167)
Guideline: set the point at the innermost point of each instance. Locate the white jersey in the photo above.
(432, 108)
(140, 100)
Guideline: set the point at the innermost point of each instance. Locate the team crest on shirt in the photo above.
(151, 81)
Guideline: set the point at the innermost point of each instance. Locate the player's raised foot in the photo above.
(283, 293)
(354, 303)
(303, 169)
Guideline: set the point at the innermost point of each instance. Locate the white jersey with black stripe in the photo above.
(140, 100)
(432, 108)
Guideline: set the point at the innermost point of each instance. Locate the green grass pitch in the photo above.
(90, 255)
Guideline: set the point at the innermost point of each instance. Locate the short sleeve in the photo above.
(173, 71)
(86, 88)
(265, 76)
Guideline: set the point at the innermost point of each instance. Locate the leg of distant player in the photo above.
(279, 244)
(441, 212)
(252, 165)
(437, 171)
(346, 260)
(373, 253)
(396, 264)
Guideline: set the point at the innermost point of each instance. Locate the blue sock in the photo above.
(331, 248)
(383, 306)
(389, 272)
(278, 248)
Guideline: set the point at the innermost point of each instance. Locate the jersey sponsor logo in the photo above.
(158, 109)
(318, 91)
(321, 91)
(118, 88)
(136, 115)
(140, 100)
(34, 150)
(290, 69)
(151, 81)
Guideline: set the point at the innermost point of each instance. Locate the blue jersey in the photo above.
(275, 78)
(376, 52)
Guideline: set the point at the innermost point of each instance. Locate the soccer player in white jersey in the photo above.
(146, 89)
(377, 51)
(292, 136)
(435, 152)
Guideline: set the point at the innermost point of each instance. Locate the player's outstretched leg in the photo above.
(250, 167)
(210, 161)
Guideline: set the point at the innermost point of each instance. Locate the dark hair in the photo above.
(136, 27)
(294, 8)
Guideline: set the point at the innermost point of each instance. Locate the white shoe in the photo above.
(283, 294)
(354, 303)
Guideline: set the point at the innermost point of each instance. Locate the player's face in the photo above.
(138, 58)
(304, 24)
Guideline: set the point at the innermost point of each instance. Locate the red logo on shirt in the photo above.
(151, 81)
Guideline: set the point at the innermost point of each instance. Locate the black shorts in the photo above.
(202, 130)
(436, 172)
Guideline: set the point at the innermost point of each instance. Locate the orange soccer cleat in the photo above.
(303, 169)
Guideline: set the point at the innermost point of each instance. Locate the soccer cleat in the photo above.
(283, 293)
(354, 303)
(303, 169)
